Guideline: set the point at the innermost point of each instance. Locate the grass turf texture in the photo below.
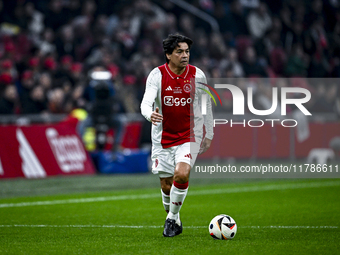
(130, 221)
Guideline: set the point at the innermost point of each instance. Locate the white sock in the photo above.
(175, 217)
(178, 193)
(166, 201)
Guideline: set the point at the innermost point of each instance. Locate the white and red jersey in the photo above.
(179, 101)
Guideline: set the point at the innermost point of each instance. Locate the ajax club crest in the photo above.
(187, 88)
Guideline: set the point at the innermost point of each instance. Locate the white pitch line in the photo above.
(289, 227)
(268, 187)
(76, 226)
(189, 227)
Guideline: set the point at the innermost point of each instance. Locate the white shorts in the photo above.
(164, 160)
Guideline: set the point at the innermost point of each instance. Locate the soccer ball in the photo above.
(222, 227)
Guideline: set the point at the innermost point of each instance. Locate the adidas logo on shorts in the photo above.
(188, 156)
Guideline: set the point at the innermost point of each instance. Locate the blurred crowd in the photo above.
(48, 48)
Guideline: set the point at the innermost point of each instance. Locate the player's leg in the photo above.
(167, 167)
(173, 224)
(185, 158)
(186, 155)
(179, 190)
(166, 179)
(163, 165)
(166, 184)
(172, 227)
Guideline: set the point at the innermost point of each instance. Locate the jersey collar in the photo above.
(173, 75)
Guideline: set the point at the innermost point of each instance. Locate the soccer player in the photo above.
(172, 102)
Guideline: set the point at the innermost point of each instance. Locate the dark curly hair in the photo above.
(170, 43)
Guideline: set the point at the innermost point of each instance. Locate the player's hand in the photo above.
(156, 117)
(205, 145)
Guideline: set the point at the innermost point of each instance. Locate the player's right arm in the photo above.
(149, 97)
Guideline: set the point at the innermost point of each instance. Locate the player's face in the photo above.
(180, 56)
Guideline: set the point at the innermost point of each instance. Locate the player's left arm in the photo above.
(208, 123)
(208, 117)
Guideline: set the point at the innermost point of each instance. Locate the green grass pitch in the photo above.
(273, 217)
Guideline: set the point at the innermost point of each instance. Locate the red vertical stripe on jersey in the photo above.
(177, 95)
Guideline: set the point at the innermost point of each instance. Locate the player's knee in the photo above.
(182, 172)
(166, 185)
(181, 178)
(166, 189)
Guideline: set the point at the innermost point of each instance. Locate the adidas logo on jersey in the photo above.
(188, 156)
(168, 89)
